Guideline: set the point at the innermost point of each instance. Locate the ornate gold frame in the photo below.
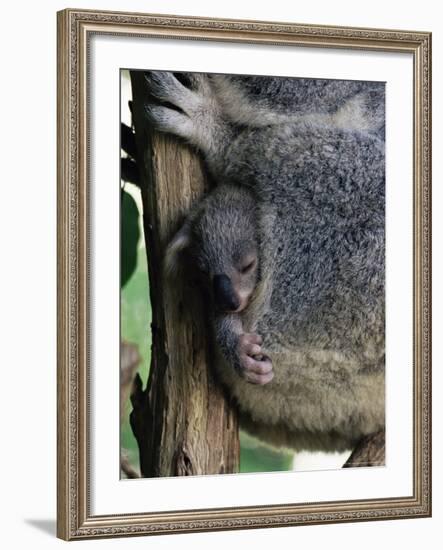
(75, 27)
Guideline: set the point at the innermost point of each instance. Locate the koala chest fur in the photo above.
(328, 385)
(318, 400)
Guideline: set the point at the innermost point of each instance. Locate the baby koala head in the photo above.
(219, 244)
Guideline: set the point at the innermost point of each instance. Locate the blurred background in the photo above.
(135, 333)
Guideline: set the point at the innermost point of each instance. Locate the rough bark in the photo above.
(369, 452)
(183, 421)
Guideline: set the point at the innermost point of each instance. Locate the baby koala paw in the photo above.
(255, 366)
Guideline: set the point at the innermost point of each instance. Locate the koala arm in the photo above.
(191, 112)
(242, 350)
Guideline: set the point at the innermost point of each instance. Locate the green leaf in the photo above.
(130, 234)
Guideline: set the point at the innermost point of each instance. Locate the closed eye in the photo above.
(248, 267)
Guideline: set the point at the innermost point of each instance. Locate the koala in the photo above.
(289, 247)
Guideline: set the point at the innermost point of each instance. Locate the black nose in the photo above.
(224, 295)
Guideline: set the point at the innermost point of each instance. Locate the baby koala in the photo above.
(219, 243)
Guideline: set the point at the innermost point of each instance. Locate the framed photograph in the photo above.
(244, 256)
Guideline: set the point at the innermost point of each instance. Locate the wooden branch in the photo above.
(184, 423)
(369, 452)
(126, 467)
(129, 362)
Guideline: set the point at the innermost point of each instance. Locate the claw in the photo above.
(255, 365)
(169, 120)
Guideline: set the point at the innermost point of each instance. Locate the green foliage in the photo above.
(135, 307)
(256, 457)
(130, 235)
(136, 329)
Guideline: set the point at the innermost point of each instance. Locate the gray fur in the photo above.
(300, 171)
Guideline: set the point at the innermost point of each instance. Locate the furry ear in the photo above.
(181, 240)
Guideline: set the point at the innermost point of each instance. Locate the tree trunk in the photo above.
(183, 421)
(369, 452)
